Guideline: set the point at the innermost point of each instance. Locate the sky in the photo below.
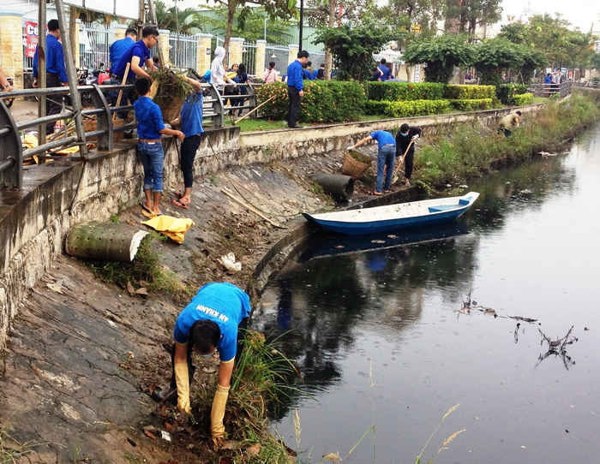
(580, 13)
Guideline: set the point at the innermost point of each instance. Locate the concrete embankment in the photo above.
(81, 354)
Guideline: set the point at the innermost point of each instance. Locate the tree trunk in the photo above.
(231, 5)
(331, 4)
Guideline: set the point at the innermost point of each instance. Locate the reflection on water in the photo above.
(379, 329)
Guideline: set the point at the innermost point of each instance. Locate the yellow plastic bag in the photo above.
(172, 227)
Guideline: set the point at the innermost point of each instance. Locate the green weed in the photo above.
(145, 271)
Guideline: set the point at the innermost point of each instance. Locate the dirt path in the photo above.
(83, 355)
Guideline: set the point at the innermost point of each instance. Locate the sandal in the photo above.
(375, 192)
(145, 208)
(180, 204)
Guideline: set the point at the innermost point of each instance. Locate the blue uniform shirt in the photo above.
(223, 303)
(149, 118)
(295, 74)
(138, 49)
(118, 49)
(191, 115)
(55, 59)
(383, 138)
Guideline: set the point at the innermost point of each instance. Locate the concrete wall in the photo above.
(34, 221)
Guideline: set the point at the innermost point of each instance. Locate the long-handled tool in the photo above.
(123, 82)
(400, 162)
(253, 110)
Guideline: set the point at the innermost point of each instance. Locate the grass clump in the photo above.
(470, 150)
(263, 379)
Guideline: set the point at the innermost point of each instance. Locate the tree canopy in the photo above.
(441, 54)
(353, 48)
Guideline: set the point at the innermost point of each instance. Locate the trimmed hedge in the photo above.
(376, 107)
(472, 104)
(324, 101)
(469, 92)
(399, 109)
(507, 92)
(394, 91)
(523, 99)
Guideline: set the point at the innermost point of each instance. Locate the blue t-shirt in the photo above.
(149, 118)
(118, 49)
(220, 302)
(138, 49)
(191, 115)
(383, 138)
(295, 74)
(55, 59)
(386, 72)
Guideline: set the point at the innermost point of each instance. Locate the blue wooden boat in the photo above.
(393, 217)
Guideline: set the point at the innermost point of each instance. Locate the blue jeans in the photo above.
(386, 157)
(152, 157)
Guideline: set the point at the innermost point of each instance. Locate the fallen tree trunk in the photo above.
(104, 241)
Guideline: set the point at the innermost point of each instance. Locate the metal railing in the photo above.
(549, 90)
(101, 124)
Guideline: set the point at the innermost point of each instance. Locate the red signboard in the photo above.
(30, 37)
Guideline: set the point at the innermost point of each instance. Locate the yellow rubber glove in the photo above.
(217, 429)
(183, 387)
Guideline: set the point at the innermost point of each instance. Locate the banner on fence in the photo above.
(30, 38)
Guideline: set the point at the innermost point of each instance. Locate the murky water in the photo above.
(386, 352)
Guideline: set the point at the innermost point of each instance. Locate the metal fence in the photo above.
(249, 56)
(94, 44)
(183, 50)
(279, 54)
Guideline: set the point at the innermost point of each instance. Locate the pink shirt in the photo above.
(270, 76)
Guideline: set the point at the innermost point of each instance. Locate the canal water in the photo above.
(387, 342)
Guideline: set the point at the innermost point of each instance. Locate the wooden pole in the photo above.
(123, 82)
(253, 110)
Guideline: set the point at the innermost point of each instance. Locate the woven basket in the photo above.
(171, 111)
(352, 167)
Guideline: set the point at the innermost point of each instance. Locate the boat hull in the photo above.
(443, 211)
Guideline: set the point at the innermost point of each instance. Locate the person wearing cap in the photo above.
(386, 151)
(509, 122)
(406, 139)
(209, 323)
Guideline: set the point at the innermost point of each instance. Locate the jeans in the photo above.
(386, 157)
(189, 147)
(152, 157)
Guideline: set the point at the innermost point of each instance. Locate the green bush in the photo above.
(399, 109)
(523, 99)
(332, 101)
(469, 92)
(506, 92)
(472, 104)
(324, 101)
(396, 91)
